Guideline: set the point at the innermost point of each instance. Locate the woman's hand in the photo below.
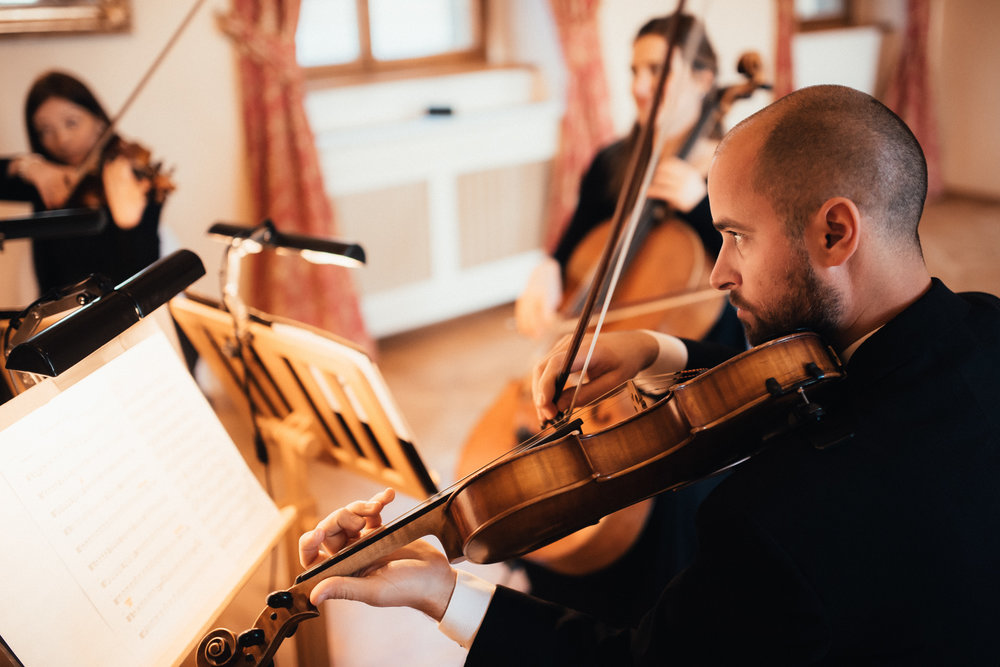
(54, 182)
(126, 194)
(678, 183)
(417, 576)
(535, 309)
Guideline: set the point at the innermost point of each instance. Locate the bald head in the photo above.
(831, 141)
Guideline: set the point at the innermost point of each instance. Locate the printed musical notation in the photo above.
(130, 481)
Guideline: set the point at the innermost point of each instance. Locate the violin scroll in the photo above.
(217, 648)
(256, 647)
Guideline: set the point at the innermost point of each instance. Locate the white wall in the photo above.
(188, 114)
(966, 59)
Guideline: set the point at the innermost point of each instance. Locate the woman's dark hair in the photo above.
(701, 55)
(64, 86)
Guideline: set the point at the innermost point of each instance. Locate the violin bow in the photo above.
(109, 131)
(637, 178)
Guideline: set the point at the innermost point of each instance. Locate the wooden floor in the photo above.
(444, 376)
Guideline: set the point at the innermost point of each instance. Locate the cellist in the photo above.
(614, 568)
(678, 183)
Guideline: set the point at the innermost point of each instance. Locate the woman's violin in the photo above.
(88, 191)
(571, 475)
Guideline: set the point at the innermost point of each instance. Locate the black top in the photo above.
(115, 253)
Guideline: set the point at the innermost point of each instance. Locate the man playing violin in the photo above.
(869, 537)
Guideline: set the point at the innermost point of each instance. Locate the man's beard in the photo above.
(806, 305)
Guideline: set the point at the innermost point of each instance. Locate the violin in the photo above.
(586, 465)
(88, 192)
(570, 476)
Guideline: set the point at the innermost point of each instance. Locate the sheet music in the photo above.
(124, 500)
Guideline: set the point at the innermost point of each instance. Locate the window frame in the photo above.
(367, 67)
(841, 20)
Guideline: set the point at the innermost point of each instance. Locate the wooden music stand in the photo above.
(311, 388)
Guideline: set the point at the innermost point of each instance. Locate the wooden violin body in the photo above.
(573, 475)
(88, 191)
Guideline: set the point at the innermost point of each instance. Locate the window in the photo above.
(820, 14)
(370, 36)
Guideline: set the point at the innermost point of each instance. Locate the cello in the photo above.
(663, 286)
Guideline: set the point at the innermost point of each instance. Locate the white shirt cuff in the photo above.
(671, 358)
(466, 609)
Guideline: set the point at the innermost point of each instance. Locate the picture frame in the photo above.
(38, 17)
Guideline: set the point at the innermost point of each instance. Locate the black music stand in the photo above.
(103, 313)
(57, 224)
(61, 223)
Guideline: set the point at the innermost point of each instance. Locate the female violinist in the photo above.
(611, 569)
(65, 123)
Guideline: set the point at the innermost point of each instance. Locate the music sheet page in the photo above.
(127, 514)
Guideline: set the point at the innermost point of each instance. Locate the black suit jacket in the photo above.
(872, 540)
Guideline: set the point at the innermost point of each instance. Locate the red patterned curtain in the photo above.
(784, 31)
(909, 93)
(586, 125)
(284, 171)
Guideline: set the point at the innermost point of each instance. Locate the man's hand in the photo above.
(619, 355)
(417, 576)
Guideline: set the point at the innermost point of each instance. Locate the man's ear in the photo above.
(835, 231)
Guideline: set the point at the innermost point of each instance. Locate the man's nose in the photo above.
(723, 277)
